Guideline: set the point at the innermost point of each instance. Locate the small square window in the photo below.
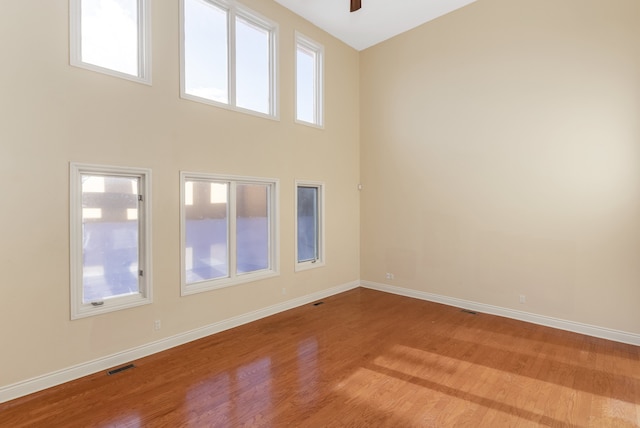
(112, 37)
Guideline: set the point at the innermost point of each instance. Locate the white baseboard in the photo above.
(40, 383)
(589, 330)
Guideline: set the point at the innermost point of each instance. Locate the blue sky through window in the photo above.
(252, 66)
(305, 85)
(110, 34)
(205, 51)
(208, 61)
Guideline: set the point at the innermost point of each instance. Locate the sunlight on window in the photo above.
(91, 213)
(110, 34)
(93, 271)
(188, 193)
(92, 184)
(218, 193)
(132, 213)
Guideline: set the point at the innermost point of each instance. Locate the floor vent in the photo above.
(468, 311)
(120, 369)
(318, 303)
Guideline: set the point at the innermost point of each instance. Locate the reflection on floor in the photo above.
(362, 359)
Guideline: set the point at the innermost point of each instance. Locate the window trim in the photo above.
(144, 43)
(234, 9)
(300, 40)
(78, 308)
(234, 278)
(321, 260)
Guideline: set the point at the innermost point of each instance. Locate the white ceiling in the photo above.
(378, 20)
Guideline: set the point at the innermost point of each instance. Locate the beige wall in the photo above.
(499, 147)
(501, 156)
(52, 113)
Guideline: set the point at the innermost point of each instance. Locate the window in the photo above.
(228, 227)
(309, 81)
(309, 225)
(228, 56)
(110, 240)
(112, 37)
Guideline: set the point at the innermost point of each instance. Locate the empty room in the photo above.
(320, 213)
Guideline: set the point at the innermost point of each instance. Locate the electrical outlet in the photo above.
(523, 299)
(284, 291)
(157, 325)
(390, 276)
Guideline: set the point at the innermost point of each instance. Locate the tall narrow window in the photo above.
(228, 230)
(112, 37)
(110, 263)
(206, 209)
(252, 227)
(309, 81)
(253, 68)
(309, 225)
(228, 56)
(205, 51)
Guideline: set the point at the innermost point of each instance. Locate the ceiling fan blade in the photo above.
(355, 5)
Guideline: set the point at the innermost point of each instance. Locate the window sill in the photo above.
(300, 267)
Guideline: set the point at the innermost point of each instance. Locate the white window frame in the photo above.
(233, 277)
(320, 261)
(306, 43)
(144, 43)
(235, 9)
(78, 308)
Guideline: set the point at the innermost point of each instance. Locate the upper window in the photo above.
(228, 56)
(110, 251)
(228, 227)
(309, 225)
(112, 37)
(309, 81)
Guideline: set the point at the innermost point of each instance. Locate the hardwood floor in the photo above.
(360, 359)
